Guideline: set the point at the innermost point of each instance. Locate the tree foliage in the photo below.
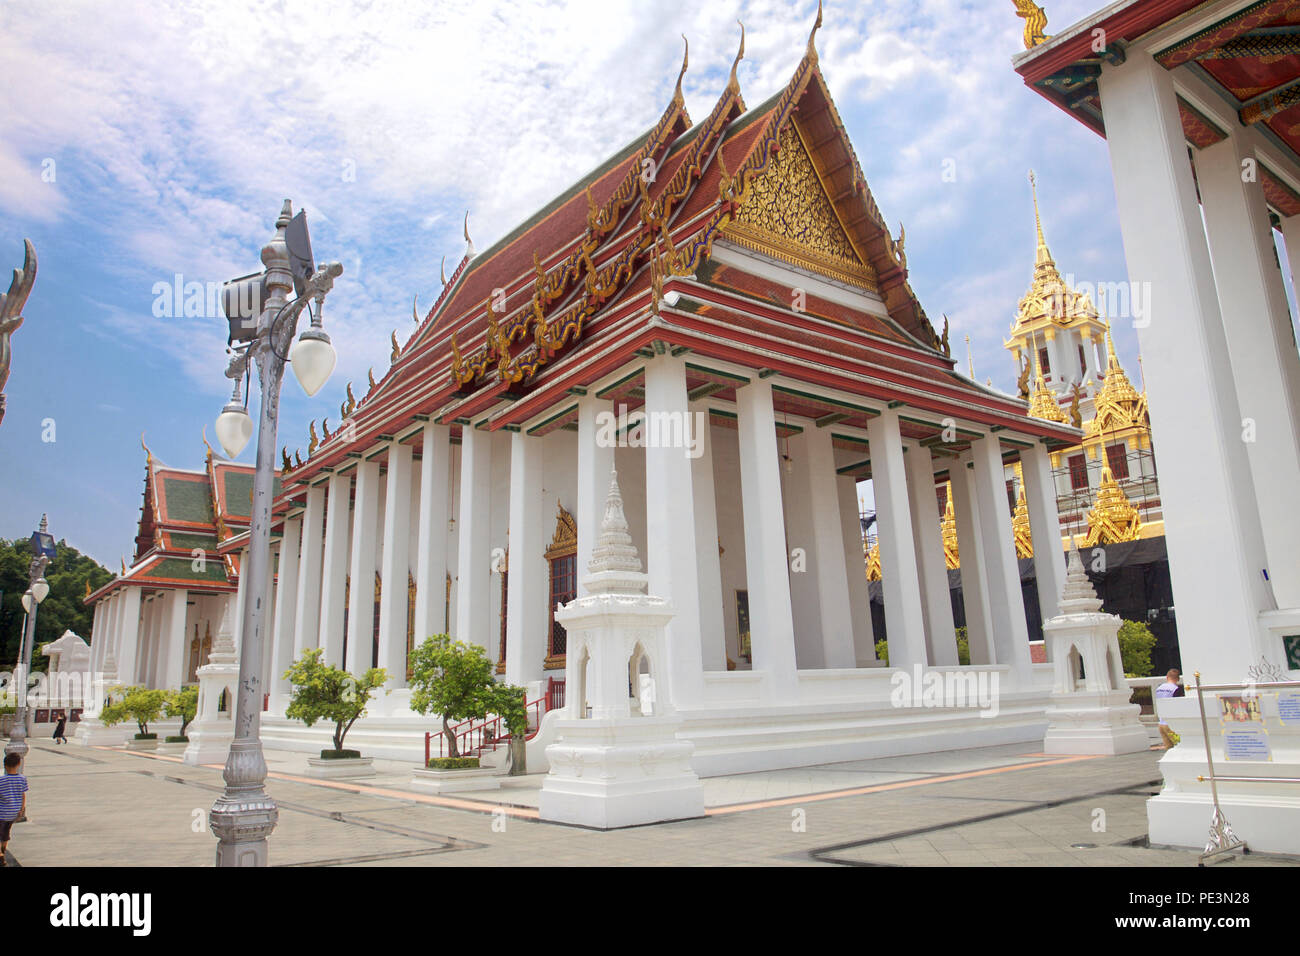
(457, 681)
(1135, 645)
(325, 692)
(61, 611)
(140, 704)
(183, 703)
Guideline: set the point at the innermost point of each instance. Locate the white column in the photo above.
(1045, 527)
(805, 603)
(767, 574)
(396, 567)
(828, 550)
(595, 461)
(172, 644)
(286, 606)
(128, 646)
(110, 630)
(904, 618)
(974, 582)
(672, 558)
(528, 583)
(431, 553)
(1205, 482)
(1006, 602)
(97, 629)
(855, 569)
(474, 528)
(931, 566)
(1089, 360)
(147, 654)
(306, 614)
(713, 643)
(361, 570)
(334, 585)
(1265, 365)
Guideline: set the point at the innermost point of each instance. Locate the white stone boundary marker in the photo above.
(618, 767)
(1097, 719)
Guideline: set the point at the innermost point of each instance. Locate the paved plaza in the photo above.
(999, 806)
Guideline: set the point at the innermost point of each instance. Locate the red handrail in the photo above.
(487, 731)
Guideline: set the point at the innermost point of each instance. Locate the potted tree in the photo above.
(325, 692)
(456, 681)
(183, 703)
(141, 704)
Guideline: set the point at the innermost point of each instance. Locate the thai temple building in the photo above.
(1106, 486)
(721, 313)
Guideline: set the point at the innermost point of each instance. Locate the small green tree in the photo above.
(1135, 645)
(963, 646)
(456, 680)
(183, 703)
(140, 704)
(325, 692)
(882, 651)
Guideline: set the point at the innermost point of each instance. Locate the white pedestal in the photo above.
(453, 781)
(620, 772)
(1265, 815)
(346, 768)
(1095, 722)
(92, 733)
(133, 744)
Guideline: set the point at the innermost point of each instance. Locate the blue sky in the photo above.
(173, 133)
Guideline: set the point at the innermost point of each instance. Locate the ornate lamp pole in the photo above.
(42, 548)
(244, 816)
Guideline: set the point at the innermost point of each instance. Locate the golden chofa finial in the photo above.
(469, 243)
(209, 456)
(686, 56)
(442, 271)
(397, 349)
(312, 440)
(1035, 22)
(733, 83)
(148, 455)
(352, 402)
(285, 463)
(812, 47)
(415, 308)
(370, 377)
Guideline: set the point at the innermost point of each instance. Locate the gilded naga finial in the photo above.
(148, 455)
(208, 456)
(469, 243)
(943, 340)
(733, 83)
(312, 440)
(325, 428)
(370, 377)
(352, 402)
(442, 270)
(11, 312)
(415, 308)
(812, 47)
(297, 458)
(285, 463)
(397, 349)
(686, 56)
(1035, 22)
(1076, 416)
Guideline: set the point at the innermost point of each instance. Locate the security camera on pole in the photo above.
(262, 321)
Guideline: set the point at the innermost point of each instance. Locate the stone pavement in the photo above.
(999, 806)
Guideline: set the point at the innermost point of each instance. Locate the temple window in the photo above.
(1043, 363)
(505, 591)
(1117, 458)
(1078, 472)
(562, 557)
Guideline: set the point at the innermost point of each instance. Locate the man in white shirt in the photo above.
(1170, 688)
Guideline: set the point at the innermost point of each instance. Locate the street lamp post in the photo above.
(36, 593)
(244, 815)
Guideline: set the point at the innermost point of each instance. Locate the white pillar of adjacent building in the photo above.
(1205, 481)
(672, 555)
(974, 582)
(595, 462)
(361, 570)
(528, 581)
(172, 644)
(431, 551)
(97, 635)
(901, 582)
(111, 604)
(334, 584)
(855, 569)
(767, 568)
(931, 565)
(1261, 344)
(1045, 528)
(306, 613)
(827, 552)
(713, 635)
(474, 528)
(286, 606)
(128, 646)
(150, 607)
(1006, 603)
(395, 569)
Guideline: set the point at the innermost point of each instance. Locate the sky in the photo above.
(144, 141)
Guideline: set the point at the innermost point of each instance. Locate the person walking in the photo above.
(59, 728)
(1170, 688)
(13, 801)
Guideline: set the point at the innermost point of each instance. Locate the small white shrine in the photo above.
(91, 731)
(213, 729)
(614, 765)
(1089, 711)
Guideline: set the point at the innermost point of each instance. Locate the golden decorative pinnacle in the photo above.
(812, 48)
(297, 458)
(325, 428)
(397, 350)
(468, 241)
(312, 440)
(1035, 22)
(148, 455)
(442, 270)
(733, 83)
(352, 402)
(123, 567)
(87, 588)
(1113, 518)
(370, 377)
(415, 308)
(209, 454)
(285, 463)
(686, 55)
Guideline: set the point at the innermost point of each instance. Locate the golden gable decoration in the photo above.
(1113, 518)
(787, 214)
